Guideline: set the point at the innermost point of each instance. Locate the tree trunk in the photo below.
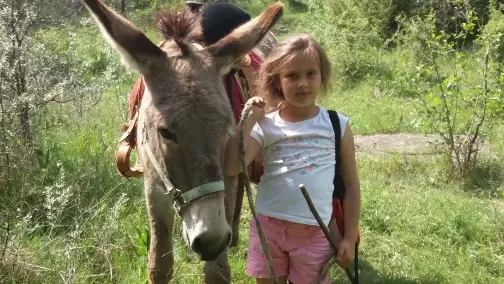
(4, 151)
(17, 64)
(123, 7)
(24, 120)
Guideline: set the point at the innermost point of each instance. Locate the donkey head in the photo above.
(185, 114)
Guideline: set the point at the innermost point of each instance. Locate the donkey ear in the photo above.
(136, 50)
(244, 38)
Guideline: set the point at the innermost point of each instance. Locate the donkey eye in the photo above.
(167, 135)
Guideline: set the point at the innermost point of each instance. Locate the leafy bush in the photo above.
(453, 100)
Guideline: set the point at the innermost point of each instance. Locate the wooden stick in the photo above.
(323, 226)
(260, 232)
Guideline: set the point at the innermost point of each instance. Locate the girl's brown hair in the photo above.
(282, 53)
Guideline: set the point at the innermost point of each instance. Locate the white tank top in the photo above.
(294, 154)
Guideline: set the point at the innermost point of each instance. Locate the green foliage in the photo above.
(491, 40)
(143, 242)
(453, 100)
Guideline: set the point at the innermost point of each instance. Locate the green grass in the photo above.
(416, 228)
(370, 114)
(417, 225)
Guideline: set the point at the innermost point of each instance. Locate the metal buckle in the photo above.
(178, 201)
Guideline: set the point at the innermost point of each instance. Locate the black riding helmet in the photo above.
(221, 18)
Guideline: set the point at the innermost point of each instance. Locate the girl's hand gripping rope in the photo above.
(254, 108)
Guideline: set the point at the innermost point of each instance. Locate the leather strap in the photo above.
(181, 199)
(128, 138)
(123, 162)
(202, 190)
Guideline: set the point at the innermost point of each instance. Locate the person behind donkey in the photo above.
(195, 7)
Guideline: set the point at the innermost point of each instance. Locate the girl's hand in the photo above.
(257, 111)
(346, 253)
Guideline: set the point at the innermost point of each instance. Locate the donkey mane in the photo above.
(180, 26)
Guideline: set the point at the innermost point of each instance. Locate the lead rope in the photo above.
(250, 198)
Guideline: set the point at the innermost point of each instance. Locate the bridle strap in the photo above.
(197, 192)
(181, 199)
(167, 183)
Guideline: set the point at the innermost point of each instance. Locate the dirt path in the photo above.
(400, 143)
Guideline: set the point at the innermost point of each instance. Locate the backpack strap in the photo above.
(339, 191)
(339, 186)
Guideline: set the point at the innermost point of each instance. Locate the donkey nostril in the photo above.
(197, 245)
(228, 240)
(210, 246)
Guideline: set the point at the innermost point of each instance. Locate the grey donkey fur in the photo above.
(184, 118)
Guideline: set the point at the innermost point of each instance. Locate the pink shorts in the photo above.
(298, 251)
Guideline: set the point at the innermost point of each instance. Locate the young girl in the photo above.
(298, 146)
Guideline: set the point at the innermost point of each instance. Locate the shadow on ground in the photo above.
(368, 275)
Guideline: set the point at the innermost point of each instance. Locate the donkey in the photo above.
(183, 125)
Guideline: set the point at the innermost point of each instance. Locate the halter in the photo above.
(128, 141)
(181, 199)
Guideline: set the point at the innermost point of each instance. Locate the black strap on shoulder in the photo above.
(339, 186)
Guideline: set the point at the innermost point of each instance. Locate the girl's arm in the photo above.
(232, 163)
(352, 201)
(232, 160)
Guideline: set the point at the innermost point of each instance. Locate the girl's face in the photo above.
(300, 81)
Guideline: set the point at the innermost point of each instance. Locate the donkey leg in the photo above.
(235, 224)
(160, 211)
(231, 193)
(218, 271)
